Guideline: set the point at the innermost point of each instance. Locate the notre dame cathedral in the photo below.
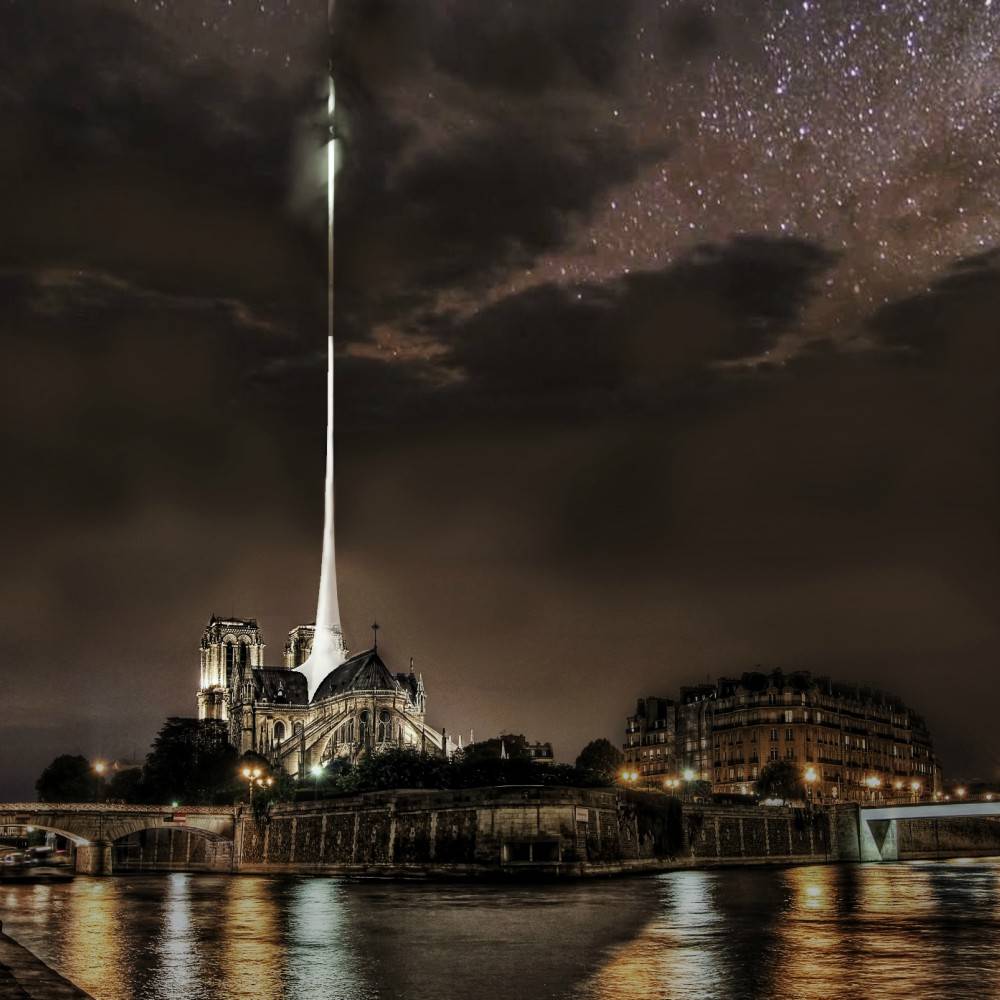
(359, 705)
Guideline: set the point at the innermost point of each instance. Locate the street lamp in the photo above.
(255, 777)
(874, 782)
(811, 778)
(688, 774)
(915, 788)
(960, 792)
(317, 771)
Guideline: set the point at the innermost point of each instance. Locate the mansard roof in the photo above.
(364, 672)
(280, 686)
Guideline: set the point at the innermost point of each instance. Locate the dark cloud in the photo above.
(644, 343)
(476, 139)
(124, 157)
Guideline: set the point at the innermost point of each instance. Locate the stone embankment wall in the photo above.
(967, 837)
(742, 835)
(522, 830)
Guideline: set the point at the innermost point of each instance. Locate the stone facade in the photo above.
(861, 744)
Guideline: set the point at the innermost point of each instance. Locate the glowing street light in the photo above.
(811, 777)
(317, 771)
(688, 774)
(255, 777)
(960, 792)
(100, 767)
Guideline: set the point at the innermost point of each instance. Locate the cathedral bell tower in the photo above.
(229, 647)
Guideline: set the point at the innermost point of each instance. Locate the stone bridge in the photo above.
(878, 826)
(94, 827)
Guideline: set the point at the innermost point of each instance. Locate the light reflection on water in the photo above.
(927, 929)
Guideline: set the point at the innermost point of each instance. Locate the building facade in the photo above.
(361, 704)
(851, 743)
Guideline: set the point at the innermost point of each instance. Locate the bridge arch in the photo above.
(94, 828)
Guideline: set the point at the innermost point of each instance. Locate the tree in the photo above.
(68, 778)
(780, 780)
(600, 757)
(125, 786)
(191, 762)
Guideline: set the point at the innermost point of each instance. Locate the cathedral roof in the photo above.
(364, 672)
(281, 686)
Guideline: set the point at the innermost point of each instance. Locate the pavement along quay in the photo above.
(24, 976)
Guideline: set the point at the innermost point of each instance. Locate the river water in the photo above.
(908, 930)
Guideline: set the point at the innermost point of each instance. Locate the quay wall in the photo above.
(516, 831)
(966, 837)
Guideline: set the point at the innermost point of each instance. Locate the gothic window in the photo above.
(244, 652)
(230, 657)
(384, 727)
(279, 732)
(364, 724)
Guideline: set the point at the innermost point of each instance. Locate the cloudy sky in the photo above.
(667, 347)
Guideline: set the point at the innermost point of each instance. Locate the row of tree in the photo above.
(192, 763)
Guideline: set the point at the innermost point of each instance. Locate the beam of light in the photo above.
(328, 648)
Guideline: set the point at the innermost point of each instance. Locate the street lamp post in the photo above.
(255, 777)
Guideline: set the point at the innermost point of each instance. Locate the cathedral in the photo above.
(359, 705)
(321, 703)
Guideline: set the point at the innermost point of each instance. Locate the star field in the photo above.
(868, 128)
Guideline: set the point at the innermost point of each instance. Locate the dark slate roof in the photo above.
(364, 672)
(275, 684)
(408, 682)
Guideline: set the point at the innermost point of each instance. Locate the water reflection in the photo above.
(925, 929)
(251, 956)
(91, 939)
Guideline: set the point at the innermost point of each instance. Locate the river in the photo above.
(900, 930)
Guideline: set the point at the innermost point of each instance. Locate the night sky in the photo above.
(668, 346)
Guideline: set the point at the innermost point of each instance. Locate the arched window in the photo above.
(244, 652)
(384, 727)
(364, 725)
(279, 731)
(230, 656)
(350, 731)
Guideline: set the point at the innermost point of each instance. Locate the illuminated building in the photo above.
(861, 743)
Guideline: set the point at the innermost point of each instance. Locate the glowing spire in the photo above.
(328, 649)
